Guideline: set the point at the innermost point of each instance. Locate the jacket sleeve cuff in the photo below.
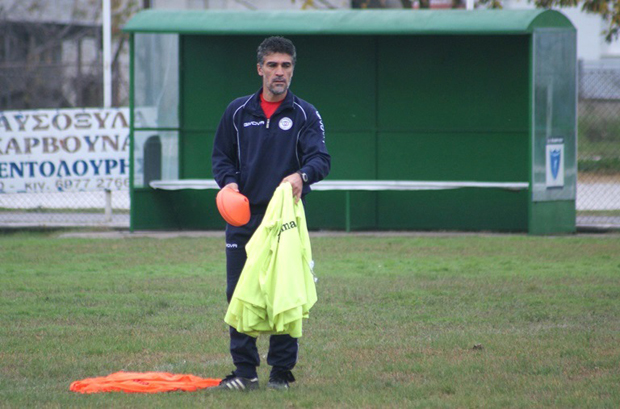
(229, 179)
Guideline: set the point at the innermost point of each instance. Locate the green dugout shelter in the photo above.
(435, 120)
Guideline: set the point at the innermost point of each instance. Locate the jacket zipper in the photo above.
(268, 122)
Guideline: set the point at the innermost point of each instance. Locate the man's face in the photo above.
(277, 72)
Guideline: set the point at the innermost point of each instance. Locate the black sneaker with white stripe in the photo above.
(236, 383)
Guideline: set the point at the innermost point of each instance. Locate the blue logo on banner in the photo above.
(554, 156)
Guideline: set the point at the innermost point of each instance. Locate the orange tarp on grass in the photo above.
(143, 382)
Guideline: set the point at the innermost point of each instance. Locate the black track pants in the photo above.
(283, 349)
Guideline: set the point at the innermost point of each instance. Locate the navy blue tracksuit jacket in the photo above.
(257, 153)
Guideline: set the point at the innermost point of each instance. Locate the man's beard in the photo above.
(279, 91)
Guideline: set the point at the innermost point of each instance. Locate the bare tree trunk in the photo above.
(116, 79)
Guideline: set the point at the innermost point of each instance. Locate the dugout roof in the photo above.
(345, 22)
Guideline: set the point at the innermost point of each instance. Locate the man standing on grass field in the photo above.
(263, 140)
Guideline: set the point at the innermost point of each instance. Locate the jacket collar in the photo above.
(254, 104)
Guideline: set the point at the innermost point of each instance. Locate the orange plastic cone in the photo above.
(233, 206)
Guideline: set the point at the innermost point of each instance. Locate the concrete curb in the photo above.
(125, 234)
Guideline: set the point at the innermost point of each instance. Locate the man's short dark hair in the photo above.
(275, 44)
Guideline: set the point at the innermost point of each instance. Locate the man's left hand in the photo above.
(296, 183)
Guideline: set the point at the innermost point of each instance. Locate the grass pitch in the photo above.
(454, 321)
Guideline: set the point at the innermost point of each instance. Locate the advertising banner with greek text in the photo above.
(73, 150)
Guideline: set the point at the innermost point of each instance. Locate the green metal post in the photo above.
(347, 211)
(131, 128)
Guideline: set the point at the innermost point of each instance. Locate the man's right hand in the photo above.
(232, 186)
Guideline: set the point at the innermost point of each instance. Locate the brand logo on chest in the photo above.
(253, 123)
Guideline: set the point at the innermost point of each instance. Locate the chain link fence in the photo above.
(598, 189)
(65, 209)
(59, 66)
